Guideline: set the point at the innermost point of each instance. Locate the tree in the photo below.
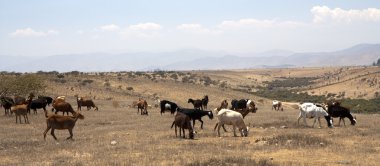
(22, 85)
(378, 62)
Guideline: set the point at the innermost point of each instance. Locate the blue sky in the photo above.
(42, 27)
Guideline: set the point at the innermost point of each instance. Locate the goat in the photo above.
(335, 110)
(21, 110)
(19, 100)
(7, 103)
(223, 105)
(310, 110)
(197, 103)
(205, 102)
(277, 105)
(168, 105)
(230, 117)
(243, 106)
(143, 106)
(83, 101)
(63, 107)
(37, 104)
(48, 99)
(243, 103)
(182, 121)
(60, 122)
(196, 114)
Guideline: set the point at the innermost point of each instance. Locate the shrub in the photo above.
(129, 88)
(23, 84)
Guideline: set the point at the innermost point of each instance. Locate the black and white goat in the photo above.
(168, 105)
(335, 110)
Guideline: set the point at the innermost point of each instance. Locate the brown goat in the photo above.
(60, 122)
(59, 99)
(143, 106)
(83, 101)
(63, 107)
(223, 104)
(182, 121)
(21, 110)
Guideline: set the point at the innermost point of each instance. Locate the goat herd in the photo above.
(22, 106)
(226, 116)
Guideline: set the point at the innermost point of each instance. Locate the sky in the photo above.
(46, 27)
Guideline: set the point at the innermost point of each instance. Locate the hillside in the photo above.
(363, 54)
(117, 135)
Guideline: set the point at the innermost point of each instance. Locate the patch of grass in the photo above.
(233, 161)
(296, 140)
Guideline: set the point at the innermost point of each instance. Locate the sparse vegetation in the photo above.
(128, 138)
(22, 84)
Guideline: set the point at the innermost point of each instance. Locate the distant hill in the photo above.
(191, 59)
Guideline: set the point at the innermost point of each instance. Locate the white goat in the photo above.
(310, 110)
(229, 117)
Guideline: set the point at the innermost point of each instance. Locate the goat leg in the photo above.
(224, 128)
(52, 133)
(201, 123)
(71, 134)
(47, 129)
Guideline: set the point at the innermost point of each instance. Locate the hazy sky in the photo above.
(49, 27)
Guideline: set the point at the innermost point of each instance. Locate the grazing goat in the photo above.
(21, 110)
(277, 105)
(7, 103)
(230, 117)
(197, 103)
(335, 110)
(84, 102)
(60, 122)
(63, 107)
(310, 110)
(57, 100)
(168, 105)
(196, 114)
(48, 99)
(182, 121)
(143, 106)
(205, 102)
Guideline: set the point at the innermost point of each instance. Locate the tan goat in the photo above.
(21, 110)
(60, 122)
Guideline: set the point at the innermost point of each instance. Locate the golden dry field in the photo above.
(117, 135)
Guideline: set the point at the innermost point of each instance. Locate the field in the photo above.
(117, 135)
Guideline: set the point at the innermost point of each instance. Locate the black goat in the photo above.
(205, 102)
(48, 99)
(244, 106)
(197, 103)
(37, 104)
(335, 110)
(168, 105)
(7, 103)
(182, 121)
(196, 114)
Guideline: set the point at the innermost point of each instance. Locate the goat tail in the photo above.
(172, 125)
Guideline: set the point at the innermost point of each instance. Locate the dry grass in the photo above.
(274, 138)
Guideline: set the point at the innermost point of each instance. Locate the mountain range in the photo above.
(191, 59)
